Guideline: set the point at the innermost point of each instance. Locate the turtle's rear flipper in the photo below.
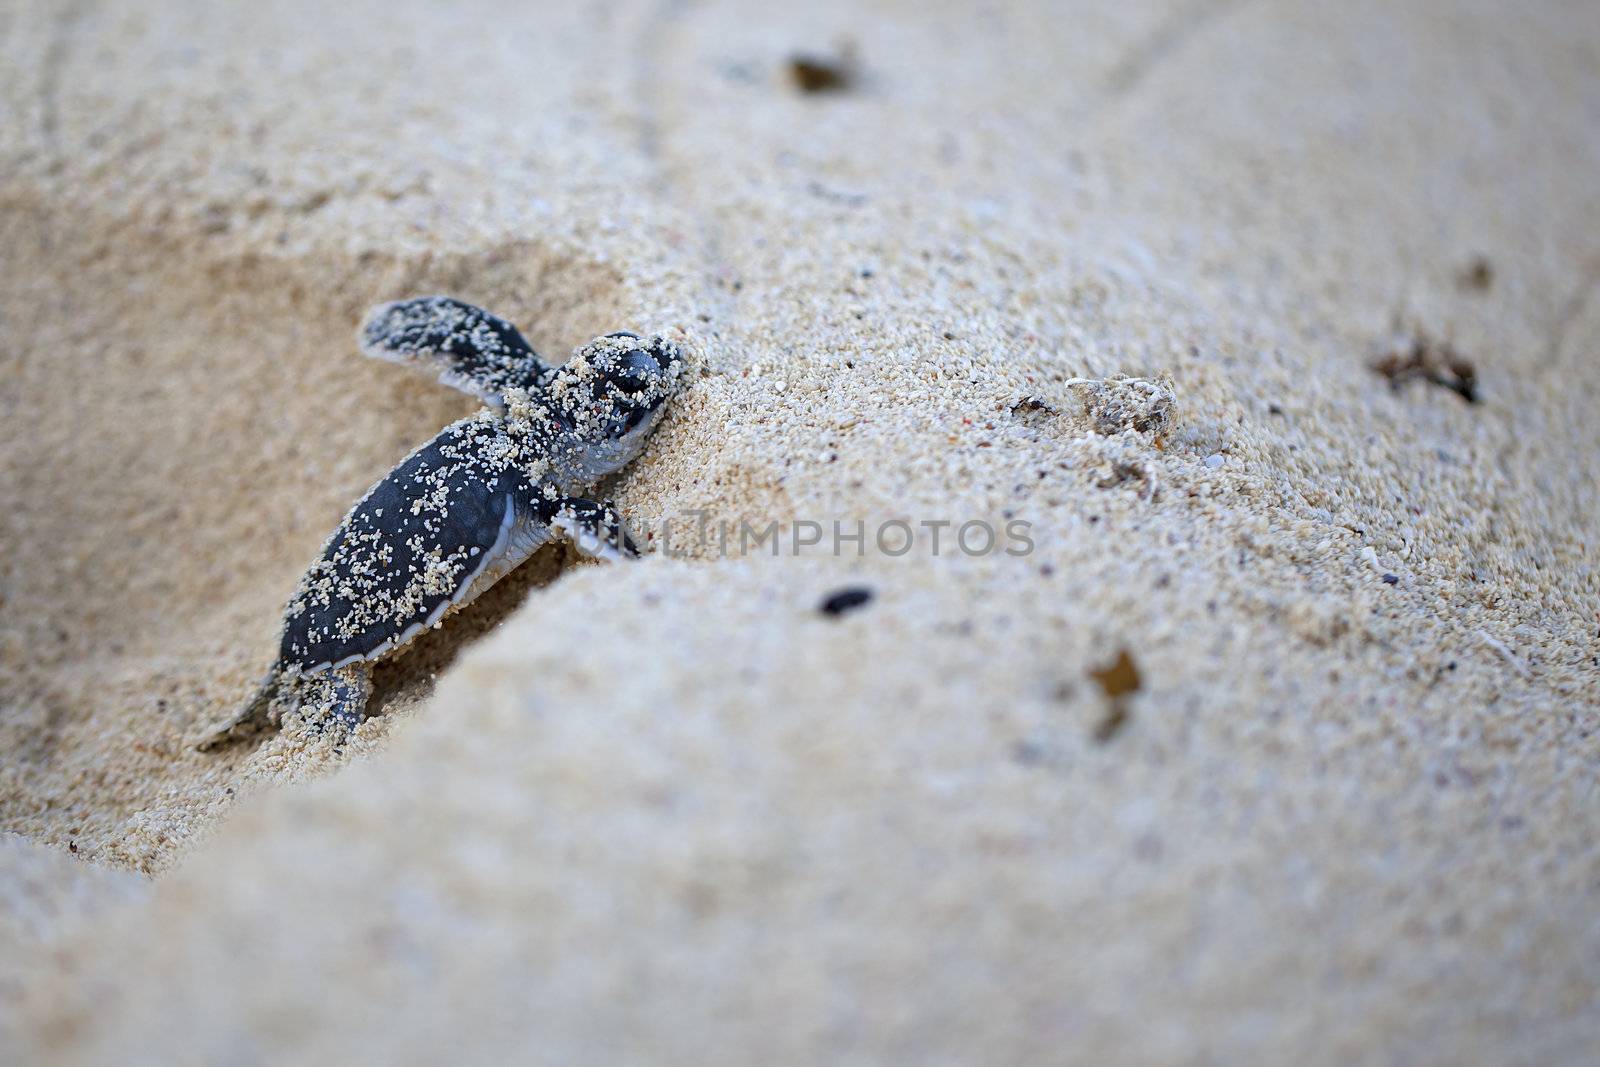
(252, 720)
(336, 700)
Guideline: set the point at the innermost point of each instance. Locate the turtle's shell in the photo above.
(422, 540)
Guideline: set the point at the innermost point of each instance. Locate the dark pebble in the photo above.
(847, 599)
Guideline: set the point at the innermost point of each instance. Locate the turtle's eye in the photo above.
(634, 371)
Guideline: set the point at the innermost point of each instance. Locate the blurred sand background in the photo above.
(668, 811)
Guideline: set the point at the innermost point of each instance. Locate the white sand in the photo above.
(669, 812)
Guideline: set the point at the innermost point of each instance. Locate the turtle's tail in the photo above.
(252, 720)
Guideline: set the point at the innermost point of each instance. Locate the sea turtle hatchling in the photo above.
(466, 508)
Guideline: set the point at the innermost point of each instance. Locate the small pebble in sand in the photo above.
(846, 599)
(1215, 460)
(1122, 403)
(1477, 276)
(818, 73)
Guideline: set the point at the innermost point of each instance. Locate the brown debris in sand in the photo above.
(1420, 357)
(814, 72)
(1118, 680)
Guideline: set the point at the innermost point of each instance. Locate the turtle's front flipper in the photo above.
(471, 350)
(595, 528)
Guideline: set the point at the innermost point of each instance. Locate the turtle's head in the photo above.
(607, 397)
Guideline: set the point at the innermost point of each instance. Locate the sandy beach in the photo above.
(1273, 329)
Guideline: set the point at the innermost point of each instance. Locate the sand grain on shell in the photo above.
(671, 805)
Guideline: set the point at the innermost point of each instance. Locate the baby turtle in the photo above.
(462, 511)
